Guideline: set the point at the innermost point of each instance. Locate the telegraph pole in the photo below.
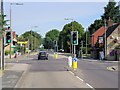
(105, 48)
(86, 42)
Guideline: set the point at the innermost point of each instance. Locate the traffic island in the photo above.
(113, 68)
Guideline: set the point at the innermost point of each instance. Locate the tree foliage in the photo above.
(3, 21)
(50, 37)
(111, 11)
(95, 26)
(65, 34)
(34, 39)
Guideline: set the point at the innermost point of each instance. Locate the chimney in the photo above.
(110, 22)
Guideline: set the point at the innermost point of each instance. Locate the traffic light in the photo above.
(8, 37)
(75, 37)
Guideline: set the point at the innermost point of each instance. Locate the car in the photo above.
(61, 50)
(43, 55)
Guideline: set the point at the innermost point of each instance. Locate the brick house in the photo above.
(95, 35)
(112, 41)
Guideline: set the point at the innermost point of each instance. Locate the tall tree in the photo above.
(34, 39)
(50, 37)
(112, 11)
(65, 34)
(95, 26)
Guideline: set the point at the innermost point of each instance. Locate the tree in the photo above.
(53, 34)
(112, 11)
(34, 39)
(50, 37)
(3, 21)
(95, 26)
(65, 35)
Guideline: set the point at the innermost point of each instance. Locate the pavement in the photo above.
(13, 73)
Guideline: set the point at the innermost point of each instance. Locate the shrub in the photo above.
(7, 52)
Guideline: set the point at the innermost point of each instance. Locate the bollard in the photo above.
(74, 63)
(55, 55)
(70, 61)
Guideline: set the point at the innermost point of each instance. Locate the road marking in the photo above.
(72, 73)
(90, 86)
(82, 80)
(79, 78)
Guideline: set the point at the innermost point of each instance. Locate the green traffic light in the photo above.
(75, 42)
(9, 41)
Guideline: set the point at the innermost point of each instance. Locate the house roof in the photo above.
(111, 29)
(96, 34)
(100, 31)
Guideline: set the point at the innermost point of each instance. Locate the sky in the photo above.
(45, 16)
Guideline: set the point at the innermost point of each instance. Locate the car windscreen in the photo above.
(42, 53)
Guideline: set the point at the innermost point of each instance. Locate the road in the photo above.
(97, 75)
(50, 74)
(53, 73)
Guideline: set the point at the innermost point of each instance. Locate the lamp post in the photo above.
(71, 50)
(36, 41)
(31, 36)
(11, 21)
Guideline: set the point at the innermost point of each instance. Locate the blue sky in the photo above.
(50, 15)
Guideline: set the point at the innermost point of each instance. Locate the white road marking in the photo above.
(72, 73)
(79, 78)
(82, 80)
(90, 86)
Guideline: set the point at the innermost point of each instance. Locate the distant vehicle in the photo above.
(43, 55)
(61, 50)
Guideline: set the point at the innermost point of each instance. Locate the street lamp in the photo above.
(36, 40)
(86, 42)
(31, 36)
(11, 21)
(71, 51)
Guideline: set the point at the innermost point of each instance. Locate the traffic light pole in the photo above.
(2, 37)
(11, 30)
(74, 51)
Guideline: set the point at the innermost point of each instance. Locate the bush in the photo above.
(88, 50)
(7, 52)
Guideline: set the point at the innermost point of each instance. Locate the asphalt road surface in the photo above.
(50, 74)
(53, 73)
